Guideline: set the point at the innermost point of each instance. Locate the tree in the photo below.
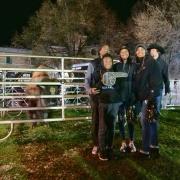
(151, 26)
(155, 24)
(69, 23)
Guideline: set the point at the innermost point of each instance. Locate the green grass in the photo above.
(10, 161)
(62, 150)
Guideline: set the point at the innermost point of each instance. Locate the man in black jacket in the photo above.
(91, 80)
(156, 51)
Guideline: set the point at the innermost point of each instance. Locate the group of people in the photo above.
(126, 90)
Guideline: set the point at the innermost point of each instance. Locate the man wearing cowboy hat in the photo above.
(156, 51)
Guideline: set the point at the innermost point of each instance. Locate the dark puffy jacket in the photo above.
(126, 84)
(95, 76)
(148, 79)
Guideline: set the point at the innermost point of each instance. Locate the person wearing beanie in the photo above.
(146, 85)
(125, 110)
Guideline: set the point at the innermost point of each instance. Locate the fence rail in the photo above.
(70, 94)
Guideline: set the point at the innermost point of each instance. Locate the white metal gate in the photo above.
(70, 96)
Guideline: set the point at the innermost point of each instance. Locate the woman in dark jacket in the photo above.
(147, 88)
(126, 93)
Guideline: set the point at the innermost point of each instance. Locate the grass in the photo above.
(10, 161)
(62, 150)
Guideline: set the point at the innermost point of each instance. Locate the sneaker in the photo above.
(132, 146)
(103, 156)
(154, 147)
(94, 150)
(143, 154)
(123, 147)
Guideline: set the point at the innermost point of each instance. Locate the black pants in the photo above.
(107, 117)
(94, 101)
(123, 110)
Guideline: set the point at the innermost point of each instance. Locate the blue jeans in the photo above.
(159, 100)
(149, 128)
(107, 117)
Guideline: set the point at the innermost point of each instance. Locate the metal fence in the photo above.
(70, 89)
(70, 93)
(172, 100)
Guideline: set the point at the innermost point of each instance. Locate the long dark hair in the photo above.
(129, 60)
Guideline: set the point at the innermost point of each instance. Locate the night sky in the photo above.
(14, 14)
(122, 8)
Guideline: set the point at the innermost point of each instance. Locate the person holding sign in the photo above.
(109, 102)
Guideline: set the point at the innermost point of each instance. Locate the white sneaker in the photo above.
(94, 150)
(132, 146)
(154, 147)
(143, 152)
(123, 147)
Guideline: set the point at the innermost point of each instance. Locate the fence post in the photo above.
(62, 86)
(3, 91)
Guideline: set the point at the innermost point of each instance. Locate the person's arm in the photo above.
(88, 78)
(134, 68)
(154, 78)
(165, 76)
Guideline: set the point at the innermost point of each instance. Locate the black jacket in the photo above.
(93, 75)
(148, 79)
(126, 84)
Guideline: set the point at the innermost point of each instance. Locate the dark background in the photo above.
(14, 14)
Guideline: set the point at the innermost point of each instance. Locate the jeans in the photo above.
(107, 118)
(149, 128)
(121, 122)
(159, 100)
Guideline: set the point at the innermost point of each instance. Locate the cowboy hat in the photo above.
(156, 46)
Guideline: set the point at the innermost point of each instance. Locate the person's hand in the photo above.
(94, 91)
